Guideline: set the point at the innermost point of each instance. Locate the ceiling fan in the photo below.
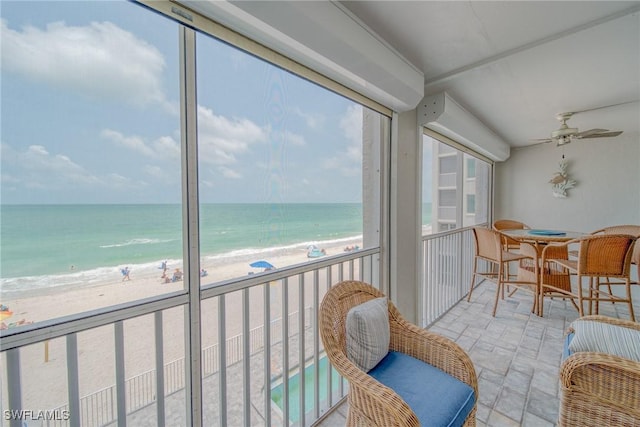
(565, 134)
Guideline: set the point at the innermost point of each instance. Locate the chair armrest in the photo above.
(610, 379)
(432, 348)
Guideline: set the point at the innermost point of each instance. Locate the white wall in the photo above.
(607, 172)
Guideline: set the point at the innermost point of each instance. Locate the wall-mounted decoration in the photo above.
(560, 182)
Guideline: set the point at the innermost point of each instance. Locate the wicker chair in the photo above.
(599, 256)
(509, 224)
(532, 269)
(488, 248)
(370, 402)
(510, 244)
(633, 230)
(600, 389)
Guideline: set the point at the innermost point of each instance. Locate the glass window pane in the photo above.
(286, 167)
(460, 183)
(471, 167)
(90, 156)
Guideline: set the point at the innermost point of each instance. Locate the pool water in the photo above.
(309, 398)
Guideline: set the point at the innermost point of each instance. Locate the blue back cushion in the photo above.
(437, 398)
(566, 351)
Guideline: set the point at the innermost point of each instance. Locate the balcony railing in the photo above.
(447, 265)
(238, 373)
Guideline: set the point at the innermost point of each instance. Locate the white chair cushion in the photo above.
(605, 338)
(368, 333)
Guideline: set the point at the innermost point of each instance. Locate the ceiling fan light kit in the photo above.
(562, 140)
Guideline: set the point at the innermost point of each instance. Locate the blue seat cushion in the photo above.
(437, 398)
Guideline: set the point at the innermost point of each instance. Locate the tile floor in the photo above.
(517, 355)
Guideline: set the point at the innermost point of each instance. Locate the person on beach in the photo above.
(164, 278)
(125, 274)
(177, 275)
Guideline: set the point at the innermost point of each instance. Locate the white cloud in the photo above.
(294, 138)
(38, 169)
(221, 139)
(99, 60)
(134, 143)
(314, 121)
(349, 161)
(286, 137)
(351, 125)
(229, 173)
(122, 182)
(162, 147)
(9, 179)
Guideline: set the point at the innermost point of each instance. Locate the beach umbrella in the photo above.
(262, 264)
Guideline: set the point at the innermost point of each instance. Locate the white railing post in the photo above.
(72, 380)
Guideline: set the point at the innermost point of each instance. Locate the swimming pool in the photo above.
(309, 398)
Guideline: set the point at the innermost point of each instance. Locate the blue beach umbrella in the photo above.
(262, 264)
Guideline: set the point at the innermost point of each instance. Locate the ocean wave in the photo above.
(137, 242)
(17, 286)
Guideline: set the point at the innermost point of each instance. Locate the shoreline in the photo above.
(34, 305)
(50, 284)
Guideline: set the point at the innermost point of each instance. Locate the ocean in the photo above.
(56, 245)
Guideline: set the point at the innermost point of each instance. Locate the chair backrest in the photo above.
(605, 255)
(633, 230)
(333, 317)
(488, 243)
(509, 224)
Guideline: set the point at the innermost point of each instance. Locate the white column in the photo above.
(405, 214)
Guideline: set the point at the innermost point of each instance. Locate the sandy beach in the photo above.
(44, 373)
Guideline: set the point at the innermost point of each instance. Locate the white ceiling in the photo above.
(516, 64)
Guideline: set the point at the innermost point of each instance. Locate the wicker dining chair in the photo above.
(510, 224)
(599, 256)
(532, 269)
(510, 244)
(633, 230)
(371, 403)
(600, 389)
(488, 248)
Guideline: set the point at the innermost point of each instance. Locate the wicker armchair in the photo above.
(599, 389)
(370, 402)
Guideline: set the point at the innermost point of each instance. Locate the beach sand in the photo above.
(43, 365)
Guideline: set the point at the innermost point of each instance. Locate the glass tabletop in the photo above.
(542, 234)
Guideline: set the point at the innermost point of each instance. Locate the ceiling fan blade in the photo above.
(604, 134)
(537, 141)
(590, 132)
(604, 106)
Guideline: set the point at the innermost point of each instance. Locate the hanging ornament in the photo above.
(560, 182)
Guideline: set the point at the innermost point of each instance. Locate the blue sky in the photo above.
(90, 115)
